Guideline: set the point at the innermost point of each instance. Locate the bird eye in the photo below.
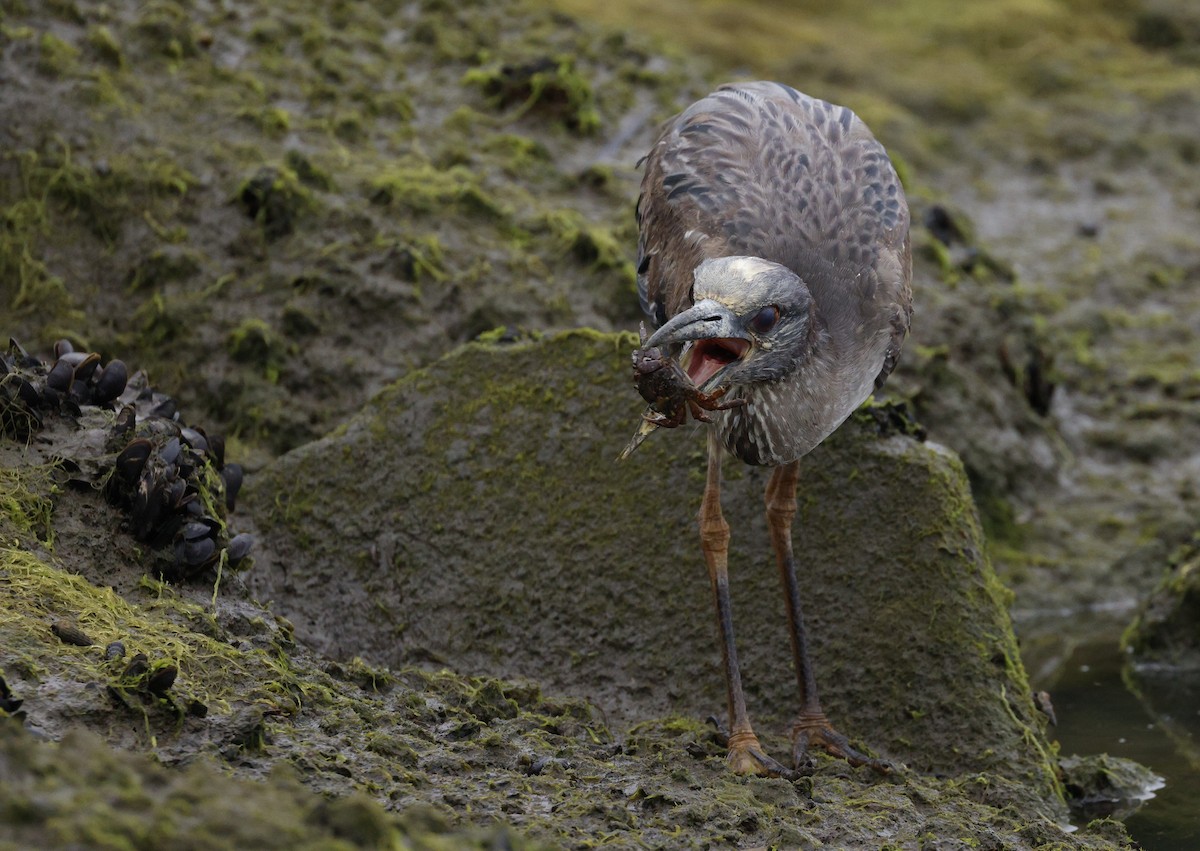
(765, 319)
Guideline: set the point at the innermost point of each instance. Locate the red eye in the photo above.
(765, 319)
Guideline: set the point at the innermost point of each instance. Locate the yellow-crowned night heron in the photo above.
(774, 255)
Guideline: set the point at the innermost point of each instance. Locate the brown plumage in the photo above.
(774, 255)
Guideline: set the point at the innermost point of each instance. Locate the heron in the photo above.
(774, 259)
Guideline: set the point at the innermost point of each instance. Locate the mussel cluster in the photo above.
(28, 388)
(172, 479)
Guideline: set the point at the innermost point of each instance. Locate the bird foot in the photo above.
(746, 756)
(814, 731)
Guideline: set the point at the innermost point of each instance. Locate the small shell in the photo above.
(132, 459)
(216, 449)
(137, 666)
(60, 376)
(239, 547)
(68, 633)
(194, 438)
(83, 363)
(110, 382)
(231, 475)
(125, 422)
(161, 679)
(114, 650)
(62, 347)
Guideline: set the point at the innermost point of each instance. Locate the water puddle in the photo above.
(1160, 728)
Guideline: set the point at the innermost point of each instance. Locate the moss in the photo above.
(210, 671)
(168, 30)
(419, 187)
(273, 121)
(308, 173)
(592, 246)
(105, 45)
(82, 794)
(274, 198)
(163, 267)
(1164, 633)
(57, 57)
(549, 86)
(26, 494)
(254, 341)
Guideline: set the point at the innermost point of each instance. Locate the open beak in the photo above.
(717, 337)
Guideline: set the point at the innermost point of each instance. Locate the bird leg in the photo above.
(746, 755)
(811, 728)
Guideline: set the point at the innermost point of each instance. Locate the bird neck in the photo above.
(786, 419)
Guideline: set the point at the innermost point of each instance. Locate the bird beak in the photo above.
(719, 335)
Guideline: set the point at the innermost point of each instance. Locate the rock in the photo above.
(474, 514)
(467, 756)
(1104, 785)
(1166, 631)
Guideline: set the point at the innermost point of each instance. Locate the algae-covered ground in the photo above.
(529, 581)
(280, 209)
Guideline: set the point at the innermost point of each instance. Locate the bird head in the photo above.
(750, 322)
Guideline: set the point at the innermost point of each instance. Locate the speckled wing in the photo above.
(760, 169)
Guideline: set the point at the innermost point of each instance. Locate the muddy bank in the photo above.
(454, 754)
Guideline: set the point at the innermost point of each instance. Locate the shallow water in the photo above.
(1160, 728)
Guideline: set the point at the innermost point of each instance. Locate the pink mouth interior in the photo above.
(708, 357)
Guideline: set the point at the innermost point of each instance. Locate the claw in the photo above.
(815, 731)
(746, 755)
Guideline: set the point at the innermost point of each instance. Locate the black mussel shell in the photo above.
(137, 666)
(19, 356)
(216, 449)
(175, 491)
(110, 382)
(132, 459)
(167, 409)
(149, 502)
(161, 679)
(240, 546)
(195, 554)
(62, 347)
(194, 438)
(84, 363)
(60, 376)
(80, 393)
(170, 451)
(125, 422)
(231, 475)
(198, 530)
(27, 392)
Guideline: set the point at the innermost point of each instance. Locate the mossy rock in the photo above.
(474, 514)
(460, 760)
(1166, 631)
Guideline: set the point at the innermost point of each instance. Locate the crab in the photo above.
(670, 391)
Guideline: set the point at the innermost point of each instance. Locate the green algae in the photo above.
(419, 187)
(81, 793)
(551, 85)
